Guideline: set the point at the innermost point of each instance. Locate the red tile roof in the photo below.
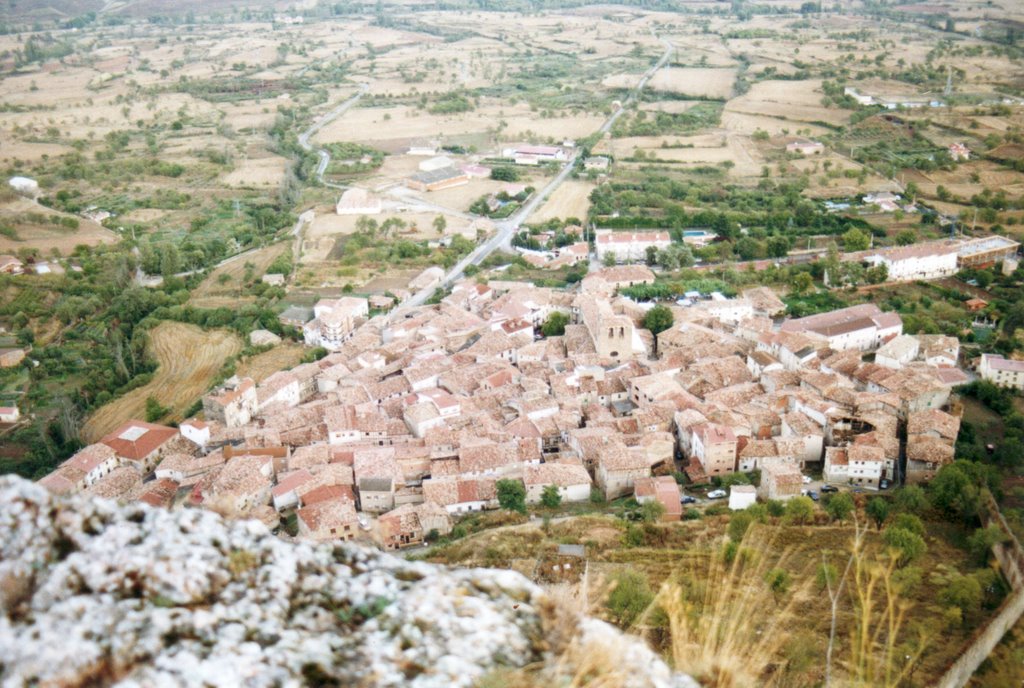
(136, 439)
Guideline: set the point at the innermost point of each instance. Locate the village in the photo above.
(413, 418)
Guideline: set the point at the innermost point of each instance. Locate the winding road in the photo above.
(325, 157)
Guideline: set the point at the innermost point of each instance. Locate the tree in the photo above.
(749, 248)
(799, 509)
(512, 495)
(154, 411)
(904, 544)
(778, 581)
(739, 522)
(778, 246)
(801, 282)
(911, 499)
(505, 173)
(856, 240)
(827, 575)
(609, 259)
(440, 224)
(840, 506)
(551, 497)
(877, 510)
(981, 542)
(652, 511)
(953, 492)
(908, 522)
(906, 237)
(658, 319)
(652, 256)
(555, 324)
(962, 592)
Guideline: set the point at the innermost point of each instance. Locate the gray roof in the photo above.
(434, 176)
(297, 313)
(375, 485)
(571, 551)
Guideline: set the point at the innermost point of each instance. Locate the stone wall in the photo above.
(1011, 562)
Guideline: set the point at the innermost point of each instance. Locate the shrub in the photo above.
(629, 598)
(551, 497)
(799, 509)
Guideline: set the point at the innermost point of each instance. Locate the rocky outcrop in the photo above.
(93, 593)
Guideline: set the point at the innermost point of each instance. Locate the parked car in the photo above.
(717, 494)
(687, 499)
(829, 488)
(807, 479)
(812, 494)
(883, 484)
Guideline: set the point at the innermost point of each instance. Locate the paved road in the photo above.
(325, 157)
(507, 228)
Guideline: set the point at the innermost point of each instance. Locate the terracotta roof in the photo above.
(561, 474)
(136, 439)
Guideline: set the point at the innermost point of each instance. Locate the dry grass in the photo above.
(726, 626)
(189, 358)
(211, 293)
(262, 366)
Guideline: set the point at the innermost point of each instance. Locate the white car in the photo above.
(716, 494)
(807, 480)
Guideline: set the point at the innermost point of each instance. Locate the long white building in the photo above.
(629, 247)
(1002, 371)
(921, 262)
(864, 327)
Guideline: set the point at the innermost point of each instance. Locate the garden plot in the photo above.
(257, 172)
(46, 237)
(571, 199)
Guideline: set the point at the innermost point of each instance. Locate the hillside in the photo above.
(95, 594)
(69, 9)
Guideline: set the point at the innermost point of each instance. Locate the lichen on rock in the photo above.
(92, 593)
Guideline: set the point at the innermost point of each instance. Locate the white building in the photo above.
(25, 186)
(334, 322)
(742, 496)
(863, 327)
(9, 414)
(898, 352)
(629, 247)
(921, 262)
(428, 279)
(436, 163)
(537, 153)
(195, 431)
(571, 479)
(1001, 371)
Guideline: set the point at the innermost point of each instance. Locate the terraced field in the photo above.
(189, 358)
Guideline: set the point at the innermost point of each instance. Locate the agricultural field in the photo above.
(265, 364)
(572, 199)
(226, 285)
(697, 83)
(188, 361)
